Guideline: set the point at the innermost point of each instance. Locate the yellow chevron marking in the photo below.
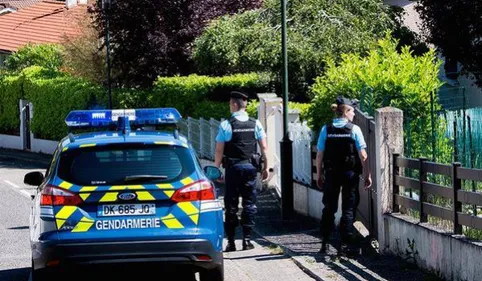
(144, 196)
(63, 215)
(65, 185)
(86, 219)
(84, 196)
(88, 188)
(87, 145)
(165, 186)
(164, 142)
(186, 181)
(168, 193)
(171, 222)
(84, 225)
(65, 212)
(109, 197)
(194, 218)
(60, 223)
(188, 208)
(65, 148)
(124, 187)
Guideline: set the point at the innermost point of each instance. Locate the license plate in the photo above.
(126, 210)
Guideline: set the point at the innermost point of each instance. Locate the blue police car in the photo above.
(130, 189)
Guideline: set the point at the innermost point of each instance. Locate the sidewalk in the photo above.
(299, 238)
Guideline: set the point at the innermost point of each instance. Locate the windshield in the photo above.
(125, 164)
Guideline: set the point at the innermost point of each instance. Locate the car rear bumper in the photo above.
(179, 252)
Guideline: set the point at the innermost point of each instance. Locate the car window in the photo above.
(110, 165)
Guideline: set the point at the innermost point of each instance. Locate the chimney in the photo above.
(70, 3)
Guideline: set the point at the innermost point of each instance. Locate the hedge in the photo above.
(54, 98)
(10, 94)
(187, 92)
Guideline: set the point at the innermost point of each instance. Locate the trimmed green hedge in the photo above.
(54, 98)
(188, 93)
(10, 94)
(54, 95)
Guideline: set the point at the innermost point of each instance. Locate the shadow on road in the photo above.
(17, 274)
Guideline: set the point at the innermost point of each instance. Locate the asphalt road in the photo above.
(265, 262)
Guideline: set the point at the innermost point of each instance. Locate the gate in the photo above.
(367, 208)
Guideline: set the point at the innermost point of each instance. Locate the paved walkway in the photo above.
(299, 238)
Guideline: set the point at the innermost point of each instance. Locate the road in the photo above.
(265, 262)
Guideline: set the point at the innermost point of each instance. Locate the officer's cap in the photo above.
(238, 95)
(341, 100)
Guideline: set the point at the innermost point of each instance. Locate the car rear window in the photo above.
(110, 165)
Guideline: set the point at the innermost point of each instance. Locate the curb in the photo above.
(292, 255)
(23, 156)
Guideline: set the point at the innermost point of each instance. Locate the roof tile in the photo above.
(44, 22)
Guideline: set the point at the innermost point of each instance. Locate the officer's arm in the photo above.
(264, 151)
(366, 169)
(319, 160)
(218, 157)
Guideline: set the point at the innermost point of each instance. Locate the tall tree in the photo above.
(154, 37)
(317, 30)
(455, 28)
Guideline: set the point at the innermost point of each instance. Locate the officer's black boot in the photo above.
(231, 247)
(247, 245)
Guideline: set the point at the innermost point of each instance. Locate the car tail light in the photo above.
(200, 190)
(56, 196)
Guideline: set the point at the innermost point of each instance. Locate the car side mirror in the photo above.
(212, 172)
(33, 178)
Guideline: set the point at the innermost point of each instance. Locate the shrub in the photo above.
(186, 92)
(383, 78)
(10, 94)
(54, 97)
(48, 56)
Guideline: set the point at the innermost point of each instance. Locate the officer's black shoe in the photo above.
(247, 245)
(323, 248)
(231, 247)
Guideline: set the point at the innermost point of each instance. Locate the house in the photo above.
(459, 91)
(11, 6)
(42, 22)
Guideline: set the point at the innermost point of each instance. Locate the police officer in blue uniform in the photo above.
(236, 145)
(340, 162)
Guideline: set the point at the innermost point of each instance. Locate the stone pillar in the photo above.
(388, 140)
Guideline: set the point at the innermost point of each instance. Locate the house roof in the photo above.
(44, 22)
(18, 4)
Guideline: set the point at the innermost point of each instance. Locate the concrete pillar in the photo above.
(388, 140)
(269, 105)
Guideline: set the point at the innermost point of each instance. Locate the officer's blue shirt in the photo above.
(356, 134)
(225, 132)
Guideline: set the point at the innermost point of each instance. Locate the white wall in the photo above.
(12, 142)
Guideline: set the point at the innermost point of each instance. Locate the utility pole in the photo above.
(286, 145)
(106, 5)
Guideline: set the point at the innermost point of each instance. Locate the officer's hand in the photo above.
(221, 179)
(320, 181)
(265, 175)
(368, 182)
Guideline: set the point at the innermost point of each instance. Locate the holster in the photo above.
(257, 160)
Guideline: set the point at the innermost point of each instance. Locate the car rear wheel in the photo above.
(215, 274)
(39, 275)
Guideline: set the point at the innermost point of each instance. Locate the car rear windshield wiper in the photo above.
(144, 177)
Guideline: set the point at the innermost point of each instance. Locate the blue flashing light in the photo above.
(106, 117)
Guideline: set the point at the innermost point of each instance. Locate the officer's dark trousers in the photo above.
(347, 182)
(240, 181)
